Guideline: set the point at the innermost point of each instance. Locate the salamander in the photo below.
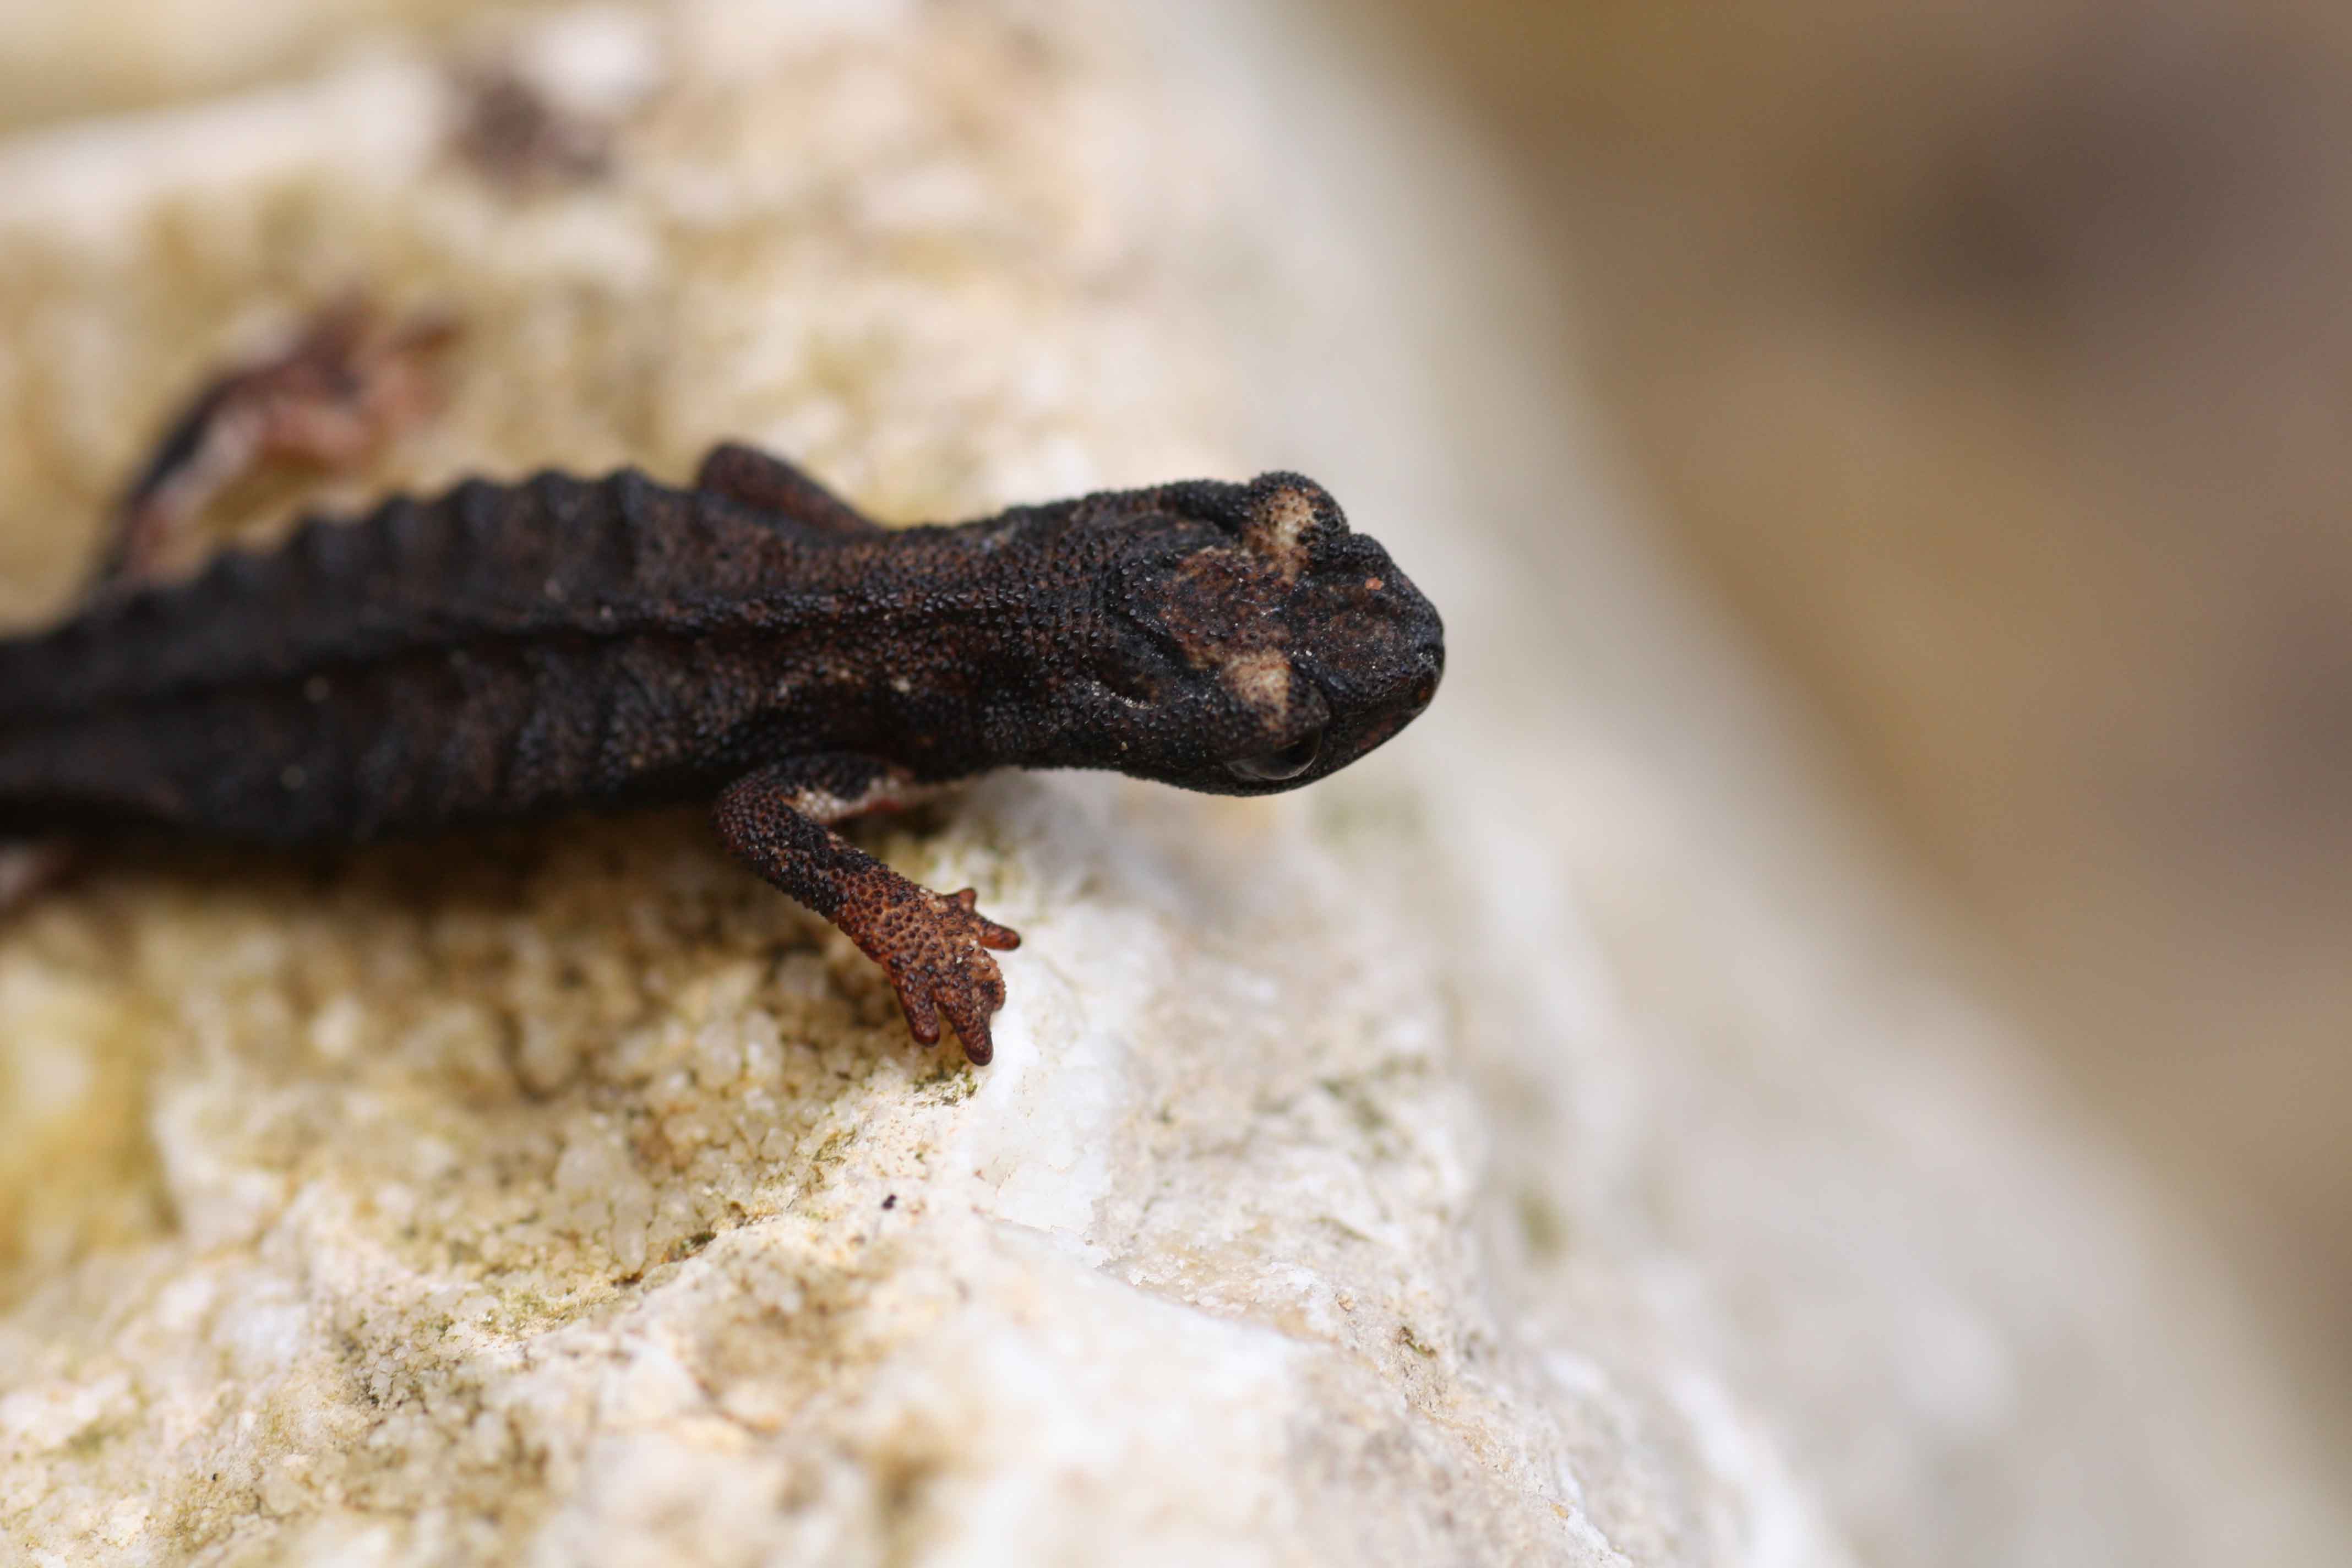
(512, 650)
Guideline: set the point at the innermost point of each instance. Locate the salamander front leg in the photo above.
(769, 484)
(933, 947)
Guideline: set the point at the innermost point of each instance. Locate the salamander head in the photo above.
(1258, 644)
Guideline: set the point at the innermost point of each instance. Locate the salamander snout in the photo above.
(1353, 652)
(1373, 645)
(1274, 646)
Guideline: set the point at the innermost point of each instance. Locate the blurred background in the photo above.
(1989, 364)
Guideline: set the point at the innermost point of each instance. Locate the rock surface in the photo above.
(1550, 1141)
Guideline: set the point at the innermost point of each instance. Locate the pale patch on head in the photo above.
(1278, 528)
(1261, 679)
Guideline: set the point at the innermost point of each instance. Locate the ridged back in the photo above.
(604, 557)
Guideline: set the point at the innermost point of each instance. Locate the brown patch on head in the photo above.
(1221, 605)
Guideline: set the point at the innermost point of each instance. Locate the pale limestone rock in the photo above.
(1527, 1148)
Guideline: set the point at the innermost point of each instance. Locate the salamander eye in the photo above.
(1273, 767)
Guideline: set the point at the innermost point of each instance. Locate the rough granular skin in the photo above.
(505, 651)
(931, 946)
